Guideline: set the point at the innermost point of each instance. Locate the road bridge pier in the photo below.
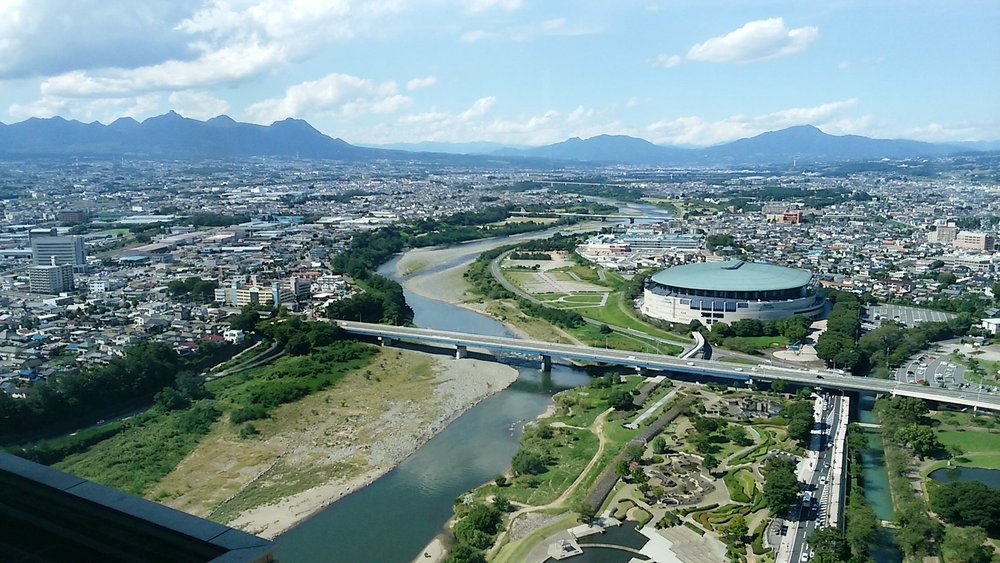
(385, 341)
(461, 351)
(545, 362)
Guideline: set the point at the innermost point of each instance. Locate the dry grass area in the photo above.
(528, 327)
(316, 450)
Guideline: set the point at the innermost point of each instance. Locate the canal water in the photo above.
(394, 518)
(876, 482)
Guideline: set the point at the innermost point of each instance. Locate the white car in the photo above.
(738, 369)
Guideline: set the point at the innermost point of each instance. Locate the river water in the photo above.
(394, 518)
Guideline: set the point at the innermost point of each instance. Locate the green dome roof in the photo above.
(733, 275)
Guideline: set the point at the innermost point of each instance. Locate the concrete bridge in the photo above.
(600, 216)
(640, 361)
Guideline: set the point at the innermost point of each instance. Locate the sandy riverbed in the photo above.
(378, 439)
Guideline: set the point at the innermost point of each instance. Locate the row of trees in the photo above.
(382, 300)
(794, 328)
(83, 396)
(194, 288)
(878, 350)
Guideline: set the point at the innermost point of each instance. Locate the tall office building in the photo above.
(65, 250)
(52, 279)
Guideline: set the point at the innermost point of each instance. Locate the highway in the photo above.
(815, 378)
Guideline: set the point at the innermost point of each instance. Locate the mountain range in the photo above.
(175, 137)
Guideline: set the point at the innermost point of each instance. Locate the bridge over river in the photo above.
(641, 361)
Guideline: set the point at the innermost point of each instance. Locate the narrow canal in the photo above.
(876, 482)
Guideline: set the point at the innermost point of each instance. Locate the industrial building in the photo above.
(729, 291)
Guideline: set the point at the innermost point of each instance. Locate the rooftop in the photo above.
(733, 275)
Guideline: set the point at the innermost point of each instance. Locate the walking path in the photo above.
(597, 428)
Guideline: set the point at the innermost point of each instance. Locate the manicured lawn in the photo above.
(613, 314)
(584, 299)
(748, 343)
(971, 440)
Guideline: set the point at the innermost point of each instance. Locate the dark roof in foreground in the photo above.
(51, 516)
(733, 275)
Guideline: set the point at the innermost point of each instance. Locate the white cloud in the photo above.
(693, 130)
(554, 24)
(861, 63)
(197, 105)
(802, 116)
(579, 113)
(475, 36)
(756, 41)
(478, 109)
(228, 41)
(343, 94)
(480, 6)
(45, 37)
(418, 83)
(668, 61)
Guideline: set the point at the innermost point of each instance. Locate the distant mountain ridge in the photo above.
(804, 142)
(173, 136)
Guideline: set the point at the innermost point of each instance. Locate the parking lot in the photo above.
(909, 316)
(933, 369)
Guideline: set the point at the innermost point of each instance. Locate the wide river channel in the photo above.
(394, 518)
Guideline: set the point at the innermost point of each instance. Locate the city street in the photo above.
(816, 473)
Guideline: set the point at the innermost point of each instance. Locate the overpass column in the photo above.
(461, 351)
(631, 221)
(385, 341)
(546, 362)
(640, 370)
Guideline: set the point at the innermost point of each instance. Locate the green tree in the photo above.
(966, 545)
(528, 463)
(736, 530)
(585, 512)
(464, 553)
(779, 385)
(659, 445)
(968, 504)
(710, 462)
(829, 546)
(621, 400)
(862, 524)
(921, 439)
(781, 487)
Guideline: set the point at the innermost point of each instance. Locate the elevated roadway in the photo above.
(600, 216)
(546, 351)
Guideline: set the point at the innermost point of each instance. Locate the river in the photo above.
(395, 517)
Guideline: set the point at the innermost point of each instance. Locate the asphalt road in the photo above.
(810, 517)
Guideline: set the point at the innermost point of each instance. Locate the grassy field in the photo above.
(750, 344)
(148, 449)
(971, 440)
(614, 314)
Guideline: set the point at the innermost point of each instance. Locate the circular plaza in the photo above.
(728, 291)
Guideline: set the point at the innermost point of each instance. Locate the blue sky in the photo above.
(685, 72)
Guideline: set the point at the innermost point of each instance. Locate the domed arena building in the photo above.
(729, 291)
